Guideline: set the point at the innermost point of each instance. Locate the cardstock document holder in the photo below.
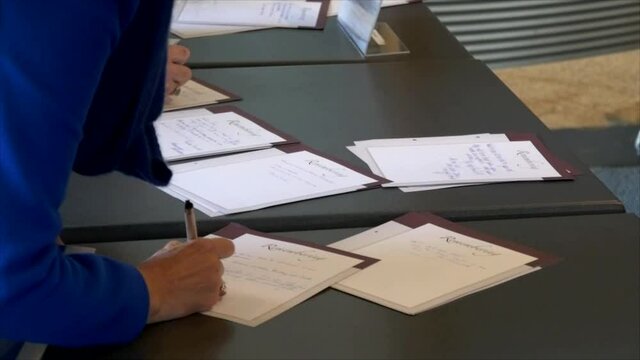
(264, 178)
(270, 274)
(427, 284)
(214, 131)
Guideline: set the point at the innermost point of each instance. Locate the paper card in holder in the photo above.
(264, 178)
(307, 14)
(195, 133)
(268, 275)
(427, 261)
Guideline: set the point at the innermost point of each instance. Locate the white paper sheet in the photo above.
(193, 94)
(360, 150)
(462, 163)
(371, 236)
(334, 5)
(360, 147)
(264, 182)
(203, 163)
(211, 162)
(187, 31)
(297, 13)
(265, 277)
(425, 267)
(198, 132)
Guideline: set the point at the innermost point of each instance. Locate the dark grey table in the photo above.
(416, 26)
(330, 106)
(585, 307)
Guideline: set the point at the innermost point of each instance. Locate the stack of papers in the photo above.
(418, 164)
(195, 93)
(427, 261)
(261, 166)
(190, 24)
(193, 18)
(195, 133)
(259, 179)
(268, 275)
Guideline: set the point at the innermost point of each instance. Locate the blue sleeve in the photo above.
(52, 55)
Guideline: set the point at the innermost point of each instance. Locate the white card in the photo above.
(195, 133)
(360, 150)
(189, 31)
(429, 265)
(462, 163)
(294, 14)
(269, 181)
(266, 277)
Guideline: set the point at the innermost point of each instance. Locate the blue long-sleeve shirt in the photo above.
(80, 84)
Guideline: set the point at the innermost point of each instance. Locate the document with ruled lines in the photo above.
(360, 149)
(194, 133)
(443, 164)
(291, 14)
(268, 275)
(282, 177)
(426, 261)
(440, 162)
(191, 30)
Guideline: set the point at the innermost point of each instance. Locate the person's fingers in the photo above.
(186, 277)
(221, 268)
(178, 54)
(170, 88)
(223, 248)
(223, 289)
(168, 247)
(172, 244)
(178, 74)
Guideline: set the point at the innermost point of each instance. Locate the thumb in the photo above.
(168, 247)
(172, 244)
(221, 246)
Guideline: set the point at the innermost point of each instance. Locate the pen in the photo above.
(190, 221)
(192, 232)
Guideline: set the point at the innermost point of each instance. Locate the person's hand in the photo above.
(177, 72)
(185, 278)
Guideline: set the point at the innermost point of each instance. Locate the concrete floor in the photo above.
(599, 91)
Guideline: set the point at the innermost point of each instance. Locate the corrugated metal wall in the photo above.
(507, 33)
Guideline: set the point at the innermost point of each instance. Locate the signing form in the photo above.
(268, 275)
(283, 174)
(219, 130)
(191, 30)
(430, 163)
(426, 261)
(293, 14)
